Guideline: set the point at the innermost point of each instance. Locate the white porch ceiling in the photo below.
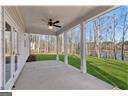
(66, 14)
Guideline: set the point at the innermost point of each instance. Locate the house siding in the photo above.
(18, 22)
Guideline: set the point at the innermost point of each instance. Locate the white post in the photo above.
(57, 47)
(65, 48)
(83, 48)
(29, 43)
(1, 48)
(38, 44)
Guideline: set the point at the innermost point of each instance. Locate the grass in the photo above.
(112, 71)
(61, 58)
(42, 57)
(72, 60)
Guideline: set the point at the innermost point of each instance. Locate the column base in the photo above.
(66, 59)
(83, 67)
(57, 57)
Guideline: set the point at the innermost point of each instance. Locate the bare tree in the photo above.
(115, 22)
(97, 37)
(125, 28)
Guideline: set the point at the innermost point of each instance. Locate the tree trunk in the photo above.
(122, 47)
(114, 41)
(97, 47)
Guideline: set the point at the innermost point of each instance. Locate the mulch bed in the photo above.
(31, 58)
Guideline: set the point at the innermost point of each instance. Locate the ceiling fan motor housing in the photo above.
(50, 22)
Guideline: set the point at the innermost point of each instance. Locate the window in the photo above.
(7, 51)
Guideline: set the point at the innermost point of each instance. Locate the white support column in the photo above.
(29, 42)
(1, 48)
(65, 48)
(83, 48)
(57, 47)
(38, 44)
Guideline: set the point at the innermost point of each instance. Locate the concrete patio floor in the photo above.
(54, 75)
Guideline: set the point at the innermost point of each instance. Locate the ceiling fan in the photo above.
(52, 24)
(49, 22)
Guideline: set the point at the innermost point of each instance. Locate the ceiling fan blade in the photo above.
(56, 22)
(57, 26)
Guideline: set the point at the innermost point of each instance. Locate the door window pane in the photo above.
(7, 51)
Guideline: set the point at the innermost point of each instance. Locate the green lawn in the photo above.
(42, 57)
(72, 60)
(112, 71)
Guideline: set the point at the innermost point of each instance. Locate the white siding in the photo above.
(23, 51)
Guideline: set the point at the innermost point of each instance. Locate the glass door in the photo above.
(8, 51)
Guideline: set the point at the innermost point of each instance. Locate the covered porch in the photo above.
(63, 47)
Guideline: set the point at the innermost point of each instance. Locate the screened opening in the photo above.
(107, 38)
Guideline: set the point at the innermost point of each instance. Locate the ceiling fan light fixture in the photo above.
(50, 27)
